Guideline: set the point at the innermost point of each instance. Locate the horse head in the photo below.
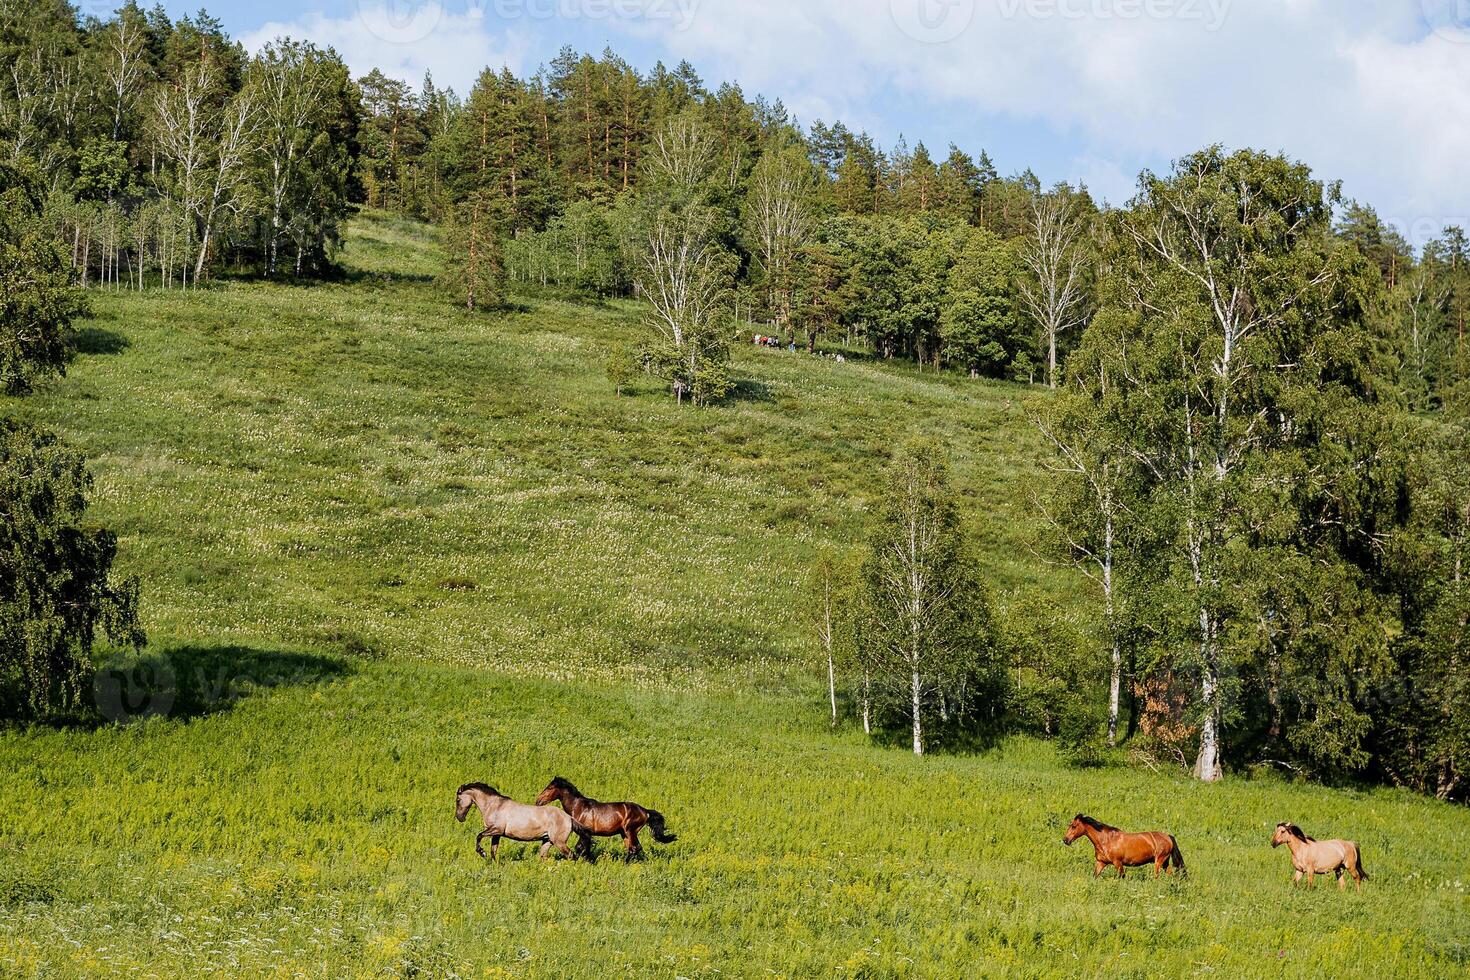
(1078, 828)
(1285, 832)
(464, 798)
(554, 791)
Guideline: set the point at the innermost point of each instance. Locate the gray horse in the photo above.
(504, 817)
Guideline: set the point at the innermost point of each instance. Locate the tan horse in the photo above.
(1313, 857)
(504, 817)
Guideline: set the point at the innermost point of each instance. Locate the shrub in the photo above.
(56, 587)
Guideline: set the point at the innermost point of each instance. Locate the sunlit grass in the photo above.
(309, 828)
(387, 547)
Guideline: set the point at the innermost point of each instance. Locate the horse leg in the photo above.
(1341, 879)
(1097, 872)
(546, 848)
(1159, 863)
(630, 841)
(483, 834)
(495, 848)
(1296, 881)
(1121, 873)
(1311, 878)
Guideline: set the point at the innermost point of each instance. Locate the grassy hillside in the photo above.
(363, 467)
(387, 547)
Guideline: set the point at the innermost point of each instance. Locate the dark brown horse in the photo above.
(1114, 847)
(606, 819)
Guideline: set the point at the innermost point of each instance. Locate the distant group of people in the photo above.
(762, 340)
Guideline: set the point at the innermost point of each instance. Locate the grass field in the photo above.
(387, 547)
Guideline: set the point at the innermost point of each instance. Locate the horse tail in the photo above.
(1176, 857)
(656, 824)
(1358, 860)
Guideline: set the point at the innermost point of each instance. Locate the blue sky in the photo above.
(1376, 94)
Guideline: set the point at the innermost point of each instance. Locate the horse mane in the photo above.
(1095, 824)
(565, 784)
(1298, 833)
(481, 787)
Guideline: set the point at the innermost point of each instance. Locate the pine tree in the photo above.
(476, 266)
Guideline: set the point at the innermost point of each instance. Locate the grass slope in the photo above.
(363, 466)
(387, 547)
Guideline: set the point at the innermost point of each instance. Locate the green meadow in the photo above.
(387, 547)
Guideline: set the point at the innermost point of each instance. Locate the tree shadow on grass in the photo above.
(99, 340)
(372, 277)
(750, 390)
(193, 681)
(955, 742)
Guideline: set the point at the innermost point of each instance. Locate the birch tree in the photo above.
(1055, 293)
(124, 57)
(233, 146)
(1245, 385)
(1089, 506)
(182, 131)
(683, 271)
(291, 93)
(207, 147)
(829, 596)
(925, 617)
(23, 103)
(780, 218)
(39, 298)
(682, 154)
(686, 278)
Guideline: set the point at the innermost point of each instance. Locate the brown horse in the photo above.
(1313, 857)
(606, 819)
(505, 817)
(1122, 850)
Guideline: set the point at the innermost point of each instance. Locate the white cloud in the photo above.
(1361, 90)
(406, 40)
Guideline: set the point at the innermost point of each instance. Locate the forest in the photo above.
(1257, 393)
